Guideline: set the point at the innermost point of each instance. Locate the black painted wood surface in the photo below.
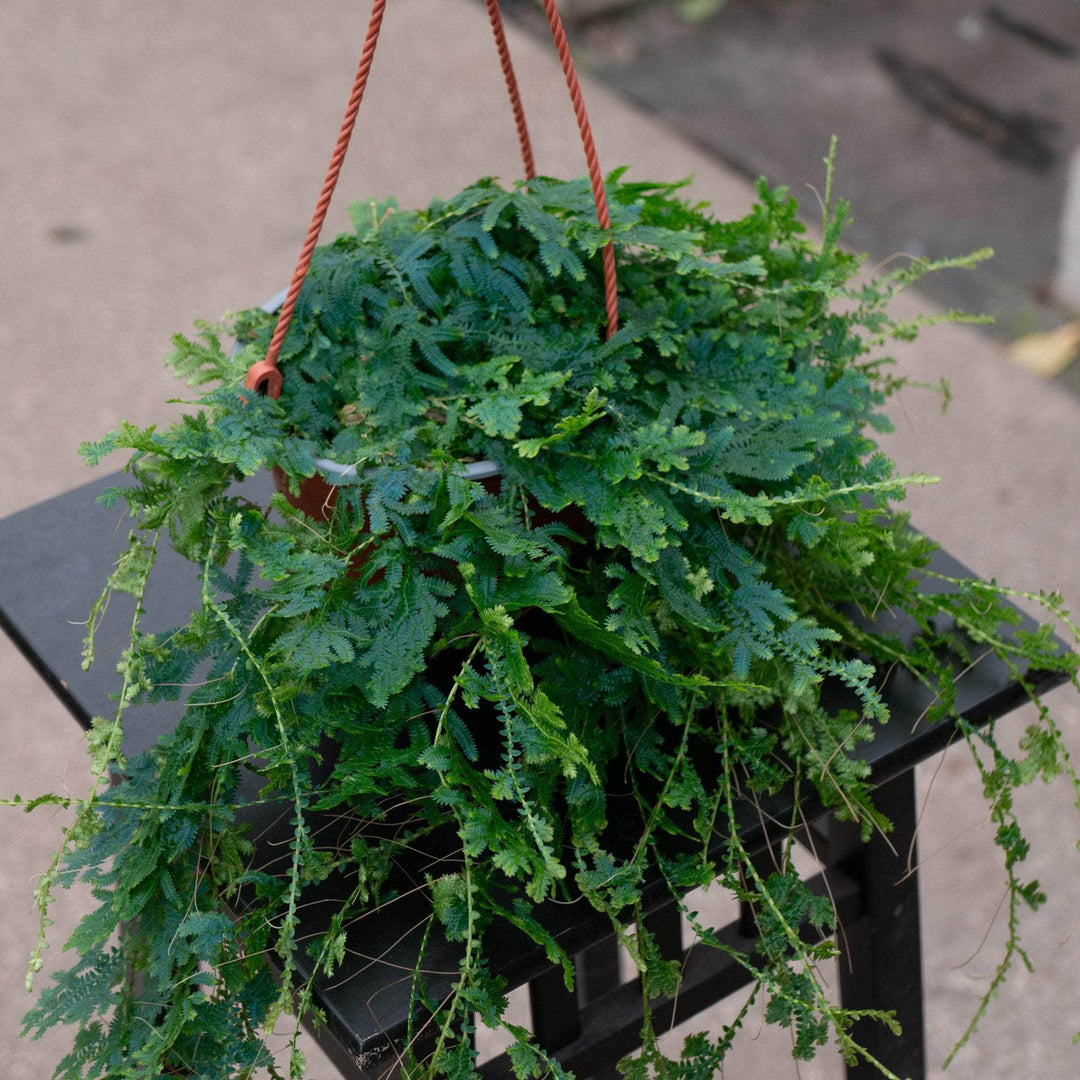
(46, 591)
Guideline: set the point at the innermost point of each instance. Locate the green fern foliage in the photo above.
(640, 611)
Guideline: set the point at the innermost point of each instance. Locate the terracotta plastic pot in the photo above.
(318, 493)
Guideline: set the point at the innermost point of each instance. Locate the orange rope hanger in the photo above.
(264, 375)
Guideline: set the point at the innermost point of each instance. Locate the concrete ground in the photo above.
(159, 163)
(948, 114)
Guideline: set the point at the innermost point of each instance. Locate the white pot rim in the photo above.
(336, 473)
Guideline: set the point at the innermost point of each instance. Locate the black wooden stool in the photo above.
(45, 595)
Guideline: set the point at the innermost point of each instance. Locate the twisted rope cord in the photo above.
(611, 298)
(264, 375)
(527, 159)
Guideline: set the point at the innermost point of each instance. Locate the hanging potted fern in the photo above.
(640, 610)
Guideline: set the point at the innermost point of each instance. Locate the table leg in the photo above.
(881, 954)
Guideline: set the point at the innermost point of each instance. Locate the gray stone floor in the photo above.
(950, 115)
(159, 163)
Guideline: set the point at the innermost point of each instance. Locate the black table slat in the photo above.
(47, 587)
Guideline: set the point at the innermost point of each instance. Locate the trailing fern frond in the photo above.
(619, 635)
